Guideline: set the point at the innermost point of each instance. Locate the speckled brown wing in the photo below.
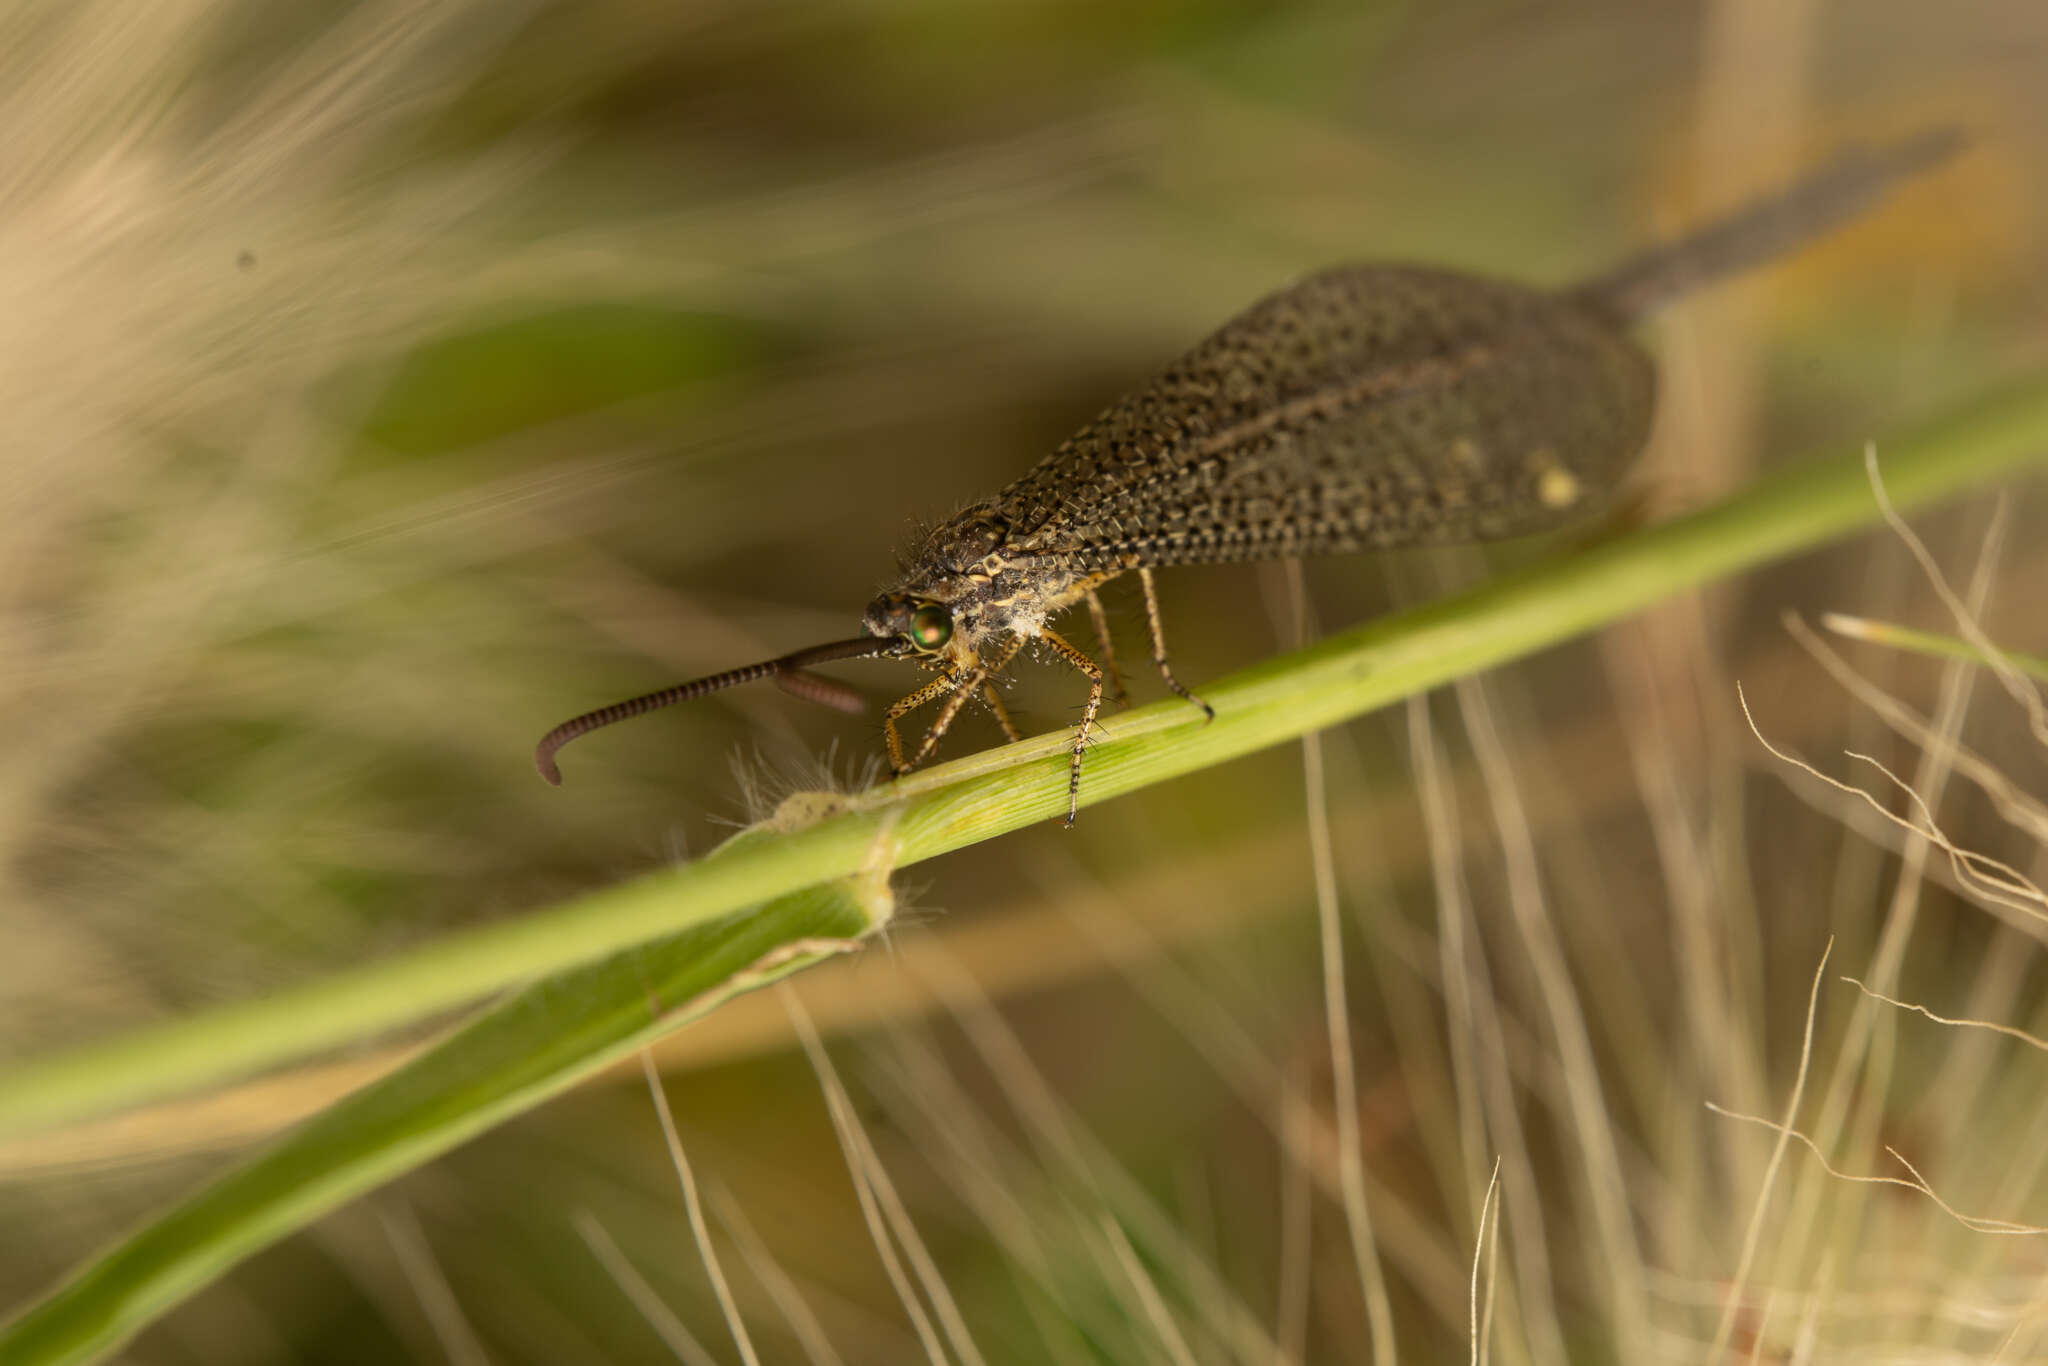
(1367, 406)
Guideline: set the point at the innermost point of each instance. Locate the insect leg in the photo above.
(1116, 676)
(944, 683)
(995, 701)
(965, 686)
(1159, 644)
(1002, 713)
(1094, 671)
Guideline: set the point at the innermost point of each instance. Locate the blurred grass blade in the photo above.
(988, 794)
(518, 1053)
(1927, 643)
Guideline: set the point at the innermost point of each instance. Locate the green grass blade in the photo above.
(985, 795)
(528, 1047)
(1928, 643)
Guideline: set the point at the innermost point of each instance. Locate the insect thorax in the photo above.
(996, 596)
(969, 565)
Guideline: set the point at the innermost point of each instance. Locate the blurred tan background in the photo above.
(385, 382)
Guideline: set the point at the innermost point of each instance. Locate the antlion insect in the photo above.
(1367, 407)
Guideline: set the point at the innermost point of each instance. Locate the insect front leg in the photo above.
(965, 685)
(1159, 644)
(1094, 672)
(938, 687)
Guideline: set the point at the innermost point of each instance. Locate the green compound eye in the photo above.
(931, 627)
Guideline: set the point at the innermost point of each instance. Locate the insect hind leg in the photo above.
(1159, 645)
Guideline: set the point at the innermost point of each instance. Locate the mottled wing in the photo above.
(1371, 406)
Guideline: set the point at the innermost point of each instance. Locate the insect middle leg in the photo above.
(1000, 712)
(1159, 644)
(995, 701)
(1101, 620)
(1094, 671)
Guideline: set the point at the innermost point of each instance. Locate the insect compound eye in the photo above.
(931, 627)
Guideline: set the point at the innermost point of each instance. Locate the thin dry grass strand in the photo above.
(1977, 1065)
(1372, 1277)
(1488, 1102)
(699, 1229)
(1760, 1334)
(1913, 1181)
(994, 1179)
(1994, 876)
(1170, 1339)
(1194, 1206)
(1752, 1234)
(1662, 671)
(653, 1311)
(1807, 1342)
(1480, 1247)
(796, 1310)
(984, 1158)
(437, 1299)
(2027, 1328)
(1433, 1269)
(2017, 685)
(2034, 1041)
(1864, 1061)
(927, 1099)
(316, 99)
(984, 1170)
(1297, 1218)
(1977, 1223)
(904, 1227)
(1083, 1159)
(1492, 1284)
(845, 1123)
(2016, 806)
(1851, 1109)
(1987, 878)
(1605, 1190)
(1460, 956)
(1854, 809)
(1920, 1281)
(2021, 1179)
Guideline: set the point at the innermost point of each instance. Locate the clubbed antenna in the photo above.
(788, 672)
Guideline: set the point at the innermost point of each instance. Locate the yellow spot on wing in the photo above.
(1557, 488)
